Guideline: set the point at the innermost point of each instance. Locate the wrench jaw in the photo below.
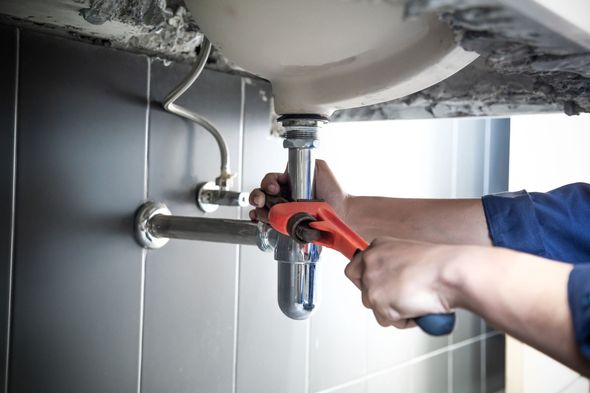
(299, 229)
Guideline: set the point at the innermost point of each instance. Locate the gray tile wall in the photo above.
(77, 277)
(8, 67)
(190, 287)
(93, 312)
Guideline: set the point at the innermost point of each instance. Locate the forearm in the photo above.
(444, 221)
(522, 294)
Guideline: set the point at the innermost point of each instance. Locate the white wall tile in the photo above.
(466, 369)
(396, 381)
(430, 375)
(580, 385)
(338, 351)
(388, 347)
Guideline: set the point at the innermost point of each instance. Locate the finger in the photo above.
(365, 299)
(257, 198)
(404, 324)
(381, 320)
(262, 215)
(411, 323)
(270, 183)
(253, 216)
(354, 270)
(283, 178)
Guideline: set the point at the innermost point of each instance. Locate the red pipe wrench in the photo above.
(318, 223)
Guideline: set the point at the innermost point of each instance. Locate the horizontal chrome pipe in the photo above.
(155, 225)
(217, 230)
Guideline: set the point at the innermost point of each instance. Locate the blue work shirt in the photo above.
(553, 225)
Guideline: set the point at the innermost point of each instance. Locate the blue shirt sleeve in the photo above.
(554, 225)
(578, 293)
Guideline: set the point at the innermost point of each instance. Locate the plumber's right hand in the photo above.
(277, 184)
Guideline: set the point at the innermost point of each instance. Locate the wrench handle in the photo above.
(436, 324)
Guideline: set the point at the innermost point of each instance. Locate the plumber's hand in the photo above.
(326, 188)
(401, 280)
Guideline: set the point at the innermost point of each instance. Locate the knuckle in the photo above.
(257, 198)
(370, 256)
(366, 302)
(380, 320)
(401, 324)
(268, 179)
(253, 196)
(393, 315)
(373, 296)
(379, 240)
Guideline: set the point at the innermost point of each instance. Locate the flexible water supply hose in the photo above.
(225, 176)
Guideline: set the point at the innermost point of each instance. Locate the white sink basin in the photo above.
(324, 55)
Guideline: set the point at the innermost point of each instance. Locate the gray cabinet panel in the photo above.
(7, 106)
(190, 286)
(80, 176)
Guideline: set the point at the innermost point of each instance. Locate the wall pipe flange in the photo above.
(210, 196)
(143, 233)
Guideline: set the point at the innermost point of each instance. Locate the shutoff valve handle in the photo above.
(318, 223)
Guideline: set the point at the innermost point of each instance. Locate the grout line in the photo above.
(12, 213)
(571, 383)
(450, 367)
(147, 130)
(143, 250)
(141, 321)
(487, 156)
(482, 363)
(239, 247)
(415, 360)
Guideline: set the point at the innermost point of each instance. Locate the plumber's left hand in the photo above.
(401, 279)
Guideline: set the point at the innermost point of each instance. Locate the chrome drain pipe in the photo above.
(155, 226)
(297, 263)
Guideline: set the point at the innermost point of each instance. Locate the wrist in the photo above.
(462, 264)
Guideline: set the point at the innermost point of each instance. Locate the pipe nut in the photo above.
(267, 237)
(301, 143)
